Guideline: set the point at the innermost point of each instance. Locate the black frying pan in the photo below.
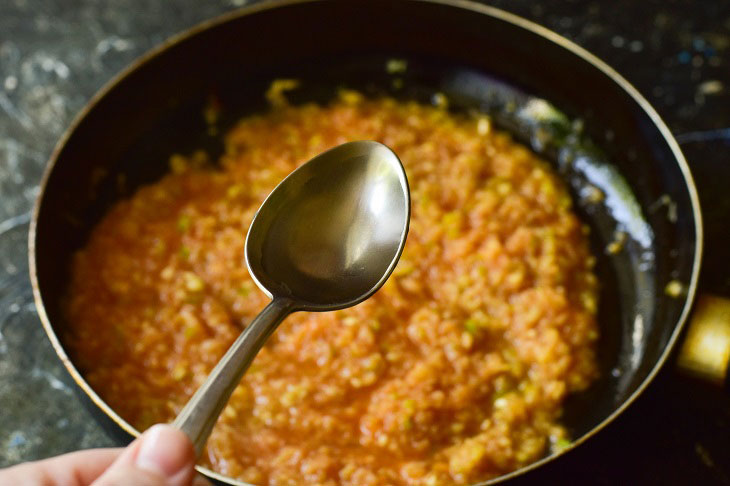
(596, 128)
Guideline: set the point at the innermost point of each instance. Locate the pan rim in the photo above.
(468, 5)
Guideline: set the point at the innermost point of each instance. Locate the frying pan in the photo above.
(566, 104)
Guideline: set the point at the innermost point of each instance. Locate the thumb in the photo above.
(162, 456)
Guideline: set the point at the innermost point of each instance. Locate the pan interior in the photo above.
(627, 277)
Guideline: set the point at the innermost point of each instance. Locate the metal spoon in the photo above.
(326, 238)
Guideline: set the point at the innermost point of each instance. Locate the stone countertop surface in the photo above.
(55, 54)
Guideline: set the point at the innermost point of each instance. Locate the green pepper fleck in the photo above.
(561, 444)
(471, 326)
(184, 252)
(183, 223)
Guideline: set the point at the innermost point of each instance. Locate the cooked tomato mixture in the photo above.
(454, 372)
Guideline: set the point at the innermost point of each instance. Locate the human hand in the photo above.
(162, 456)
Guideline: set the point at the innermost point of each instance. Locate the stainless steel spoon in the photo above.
(326, 238)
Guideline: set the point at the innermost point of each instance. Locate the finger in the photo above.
(73, 469)
(126, 475)
(162, 454)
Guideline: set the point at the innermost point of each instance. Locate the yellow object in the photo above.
(706, 348)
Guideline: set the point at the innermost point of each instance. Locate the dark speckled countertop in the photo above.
(54, 54)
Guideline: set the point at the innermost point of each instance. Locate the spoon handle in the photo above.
(201, 412)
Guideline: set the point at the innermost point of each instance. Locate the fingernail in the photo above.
(164, 451)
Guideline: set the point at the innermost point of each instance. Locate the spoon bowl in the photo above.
(331, 233)
(327, 237)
